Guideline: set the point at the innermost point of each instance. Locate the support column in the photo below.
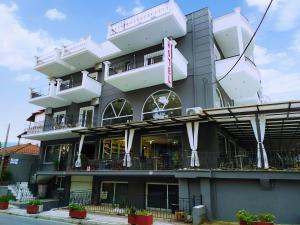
(205, 188)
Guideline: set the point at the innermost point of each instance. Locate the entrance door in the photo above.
(162, 196)
(86, 116)
(59, 119)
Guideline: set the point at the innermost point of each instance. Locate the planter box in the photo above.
(262, 223)
(77, 214)
(131, 220)
(144, 220)
(3, 205)
(243, 223)
(33, 209)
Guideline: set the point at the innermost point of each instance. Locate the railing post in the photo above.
(84, 77)
(59, 81)
(106, 69)
(52, 90)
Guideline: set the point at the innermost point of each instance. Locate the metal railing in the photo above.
(48, 57)
(38, 92)
(75, 47)
(246, 160)
(138, 19)
(68, 84)
(163, 207)
(134, 63)
(64, 123)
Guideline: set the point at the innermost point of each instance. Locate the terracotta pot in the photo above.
(131, 220)
(3, 205)
(32, 209)
(77, 214)
(144, 220)
(262, 223)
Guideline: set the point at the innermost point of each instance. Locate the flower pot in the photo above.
(144, 220)
(3, 205)
(77, 214)
(243, 223)
(262, 223)
(131, 220)
(32, 209)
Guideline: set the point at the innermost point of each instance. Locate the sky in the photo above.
(28, 28)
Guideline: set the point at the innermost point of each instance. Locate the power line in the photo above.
(261, 21)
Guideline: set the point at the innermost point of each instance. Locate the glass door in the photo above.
(86, 116)
(59, 119)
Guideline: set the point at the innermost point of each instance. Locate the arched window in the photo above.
(118, 111)
(219, 99)
(162, 104)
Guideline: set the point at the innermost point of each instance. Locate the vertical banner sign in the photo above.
(168, 76)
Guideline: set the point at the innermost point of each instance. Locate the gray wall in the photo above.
(25, 168)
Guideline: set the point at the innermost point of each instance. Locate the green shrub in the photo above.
(245, 216)
(7, 198)
(267, 217)
(35, 202)
(143, 212)
(131, 211)
(76, 207)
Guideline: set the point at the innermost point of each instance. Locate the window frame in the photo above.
(87, 108)
(164, 110)
(115, 138)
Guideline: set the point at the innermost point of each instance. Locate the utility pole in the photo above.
(2, 152)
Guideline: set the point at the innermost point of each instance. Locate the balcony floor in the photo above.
(49, 101)
(53, 134)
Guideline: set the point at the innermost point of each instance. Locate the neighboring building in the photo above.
(21, 161)
(122, 117)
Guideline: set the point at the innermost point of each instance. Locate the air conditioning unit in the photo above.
(95, 101)
(48, 111)
(193, 111)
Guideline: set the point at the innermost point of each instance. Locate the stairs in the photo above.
(21, 191)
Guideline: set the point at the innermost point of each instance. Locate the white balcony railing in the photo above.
(139, 18)
(48, 57)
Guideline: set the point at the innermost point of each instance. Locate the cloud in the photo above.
(54, 14)
(27, 77)
(295, 45)
(279, 85)
(138, 7)
(19, 45)
(284, 13)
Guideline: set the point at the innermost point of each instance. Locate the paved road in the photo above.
(20, 220)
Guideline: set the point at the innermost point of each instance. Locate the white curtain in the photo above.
(128, 144)
(78, 161)
(262, 127)
(192, 131)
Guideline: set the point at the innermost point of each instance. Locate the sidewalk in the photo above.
(63, 216)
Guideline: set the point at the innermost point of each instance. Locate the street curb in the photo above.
(65, 220)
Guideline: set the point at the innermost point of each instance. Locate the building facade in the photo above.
(124, 119)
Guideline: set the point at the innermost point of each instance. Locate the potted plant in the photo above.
(33, 206)
(131, 216)
(4, 200)
(143, 217)
(77, 211)
(264, 219)
(244, 217)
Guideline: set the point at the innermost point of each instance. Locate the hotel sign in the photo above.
(168, 51)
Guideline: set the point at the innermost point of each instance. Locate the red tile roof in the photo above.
(24, 149)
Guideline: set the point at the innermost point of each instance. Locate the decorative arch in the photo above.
(117, 111)
(161, 104)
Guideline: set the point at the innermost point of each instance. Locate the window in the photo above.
(118, 111)
(161, 195)
(153, 58)
(114, 192)
(161, 105)
(59, 119)
(56, 152)
(86, 116)
(113, 149)
(218, 99)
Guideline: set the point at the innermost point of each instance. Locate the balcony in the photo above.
(74, 57)
(148, 28)
(46, 97)
(232, 33)
(243, 82)
(79, 91)
(144, 73)
(81, 55)
(52, 130)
